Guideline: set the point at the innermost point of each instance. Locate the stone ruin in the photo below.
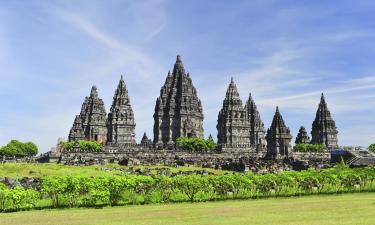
(178, 113)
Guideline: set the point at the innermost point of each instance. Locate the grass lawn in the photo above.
(19, 170)
(335, 209)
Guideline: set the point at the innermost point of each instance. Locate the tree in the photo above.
(30, 148)
(19, 149)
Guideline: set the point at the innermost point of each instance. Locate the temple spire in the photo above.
(94, 92)
(178, 112)
(324, 129)
(233, 124)
(257, 130)
(302, 136)
(92, 119)
(120, 122)
(278, 137)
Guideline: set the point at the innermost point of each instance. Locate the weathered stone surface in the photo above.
(257, 131)
(76, 133)
(232, 124)
(93, 119)
(324, 129)
(302, 136)
(120, 123)
(178, 110)
(278, 137)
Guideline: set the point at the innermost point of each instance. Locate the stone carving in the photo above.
(120, 121)
(92, 118)
(302, 136)
(233, 124)
(278, 138)
(257, 131)
(324, 129)
(178, 110)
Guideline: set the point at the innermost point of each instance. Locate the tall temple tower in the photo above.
(324, 129)
(178, 110)
(278, 137)
(232, 124)
(257, 130)
(120, 121)
(302, 136)
(92, 119)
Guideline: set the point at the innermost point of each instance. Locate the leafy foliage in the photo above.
(309, 148)
(196, 144)
(85, 146)
(19, 149)
(372, 147)
(76, 191)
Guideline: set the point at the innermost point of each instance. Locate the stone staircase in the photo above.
(361, 158)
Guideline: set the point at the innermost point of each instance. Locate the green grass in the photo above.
(335, 209)
(19, 170)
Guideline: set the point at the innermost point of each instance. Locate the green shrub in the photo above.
(309, 148)
(74, 191)
(196, 144)
(85, 146)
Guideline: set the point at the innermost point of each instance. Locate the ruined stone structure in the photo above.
(324, 129)
(233, 125)
(278, 138)
(178, 113)
(146, 142)
(120, 121)
(302, 136)
(178, 110)
(92, 119)
(257, 131)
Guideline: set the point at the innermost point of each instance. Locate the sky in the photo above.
(286, 53)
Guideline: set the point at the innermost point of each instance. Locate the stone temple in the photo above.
(257, 131)
(120, 122)
(278, 137)
(178, 110)
(241, 133)
(302, 136)
(233, 125)
(324, 129)
(90, 124)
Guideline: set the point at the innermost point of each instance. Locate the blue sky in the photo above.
(284, 52)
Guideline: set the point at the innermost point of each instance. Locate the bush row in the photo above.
(77, 191)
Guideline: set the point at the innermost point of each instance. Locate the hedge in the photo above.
(81, 191)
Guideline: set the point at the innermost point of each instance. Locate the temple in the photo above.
(302, 136)
(241, 136)
(278, 138)
(257, 131)
(233, 125)
(92, 119)
(178, 110)
(120, 121)
(324, 129)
